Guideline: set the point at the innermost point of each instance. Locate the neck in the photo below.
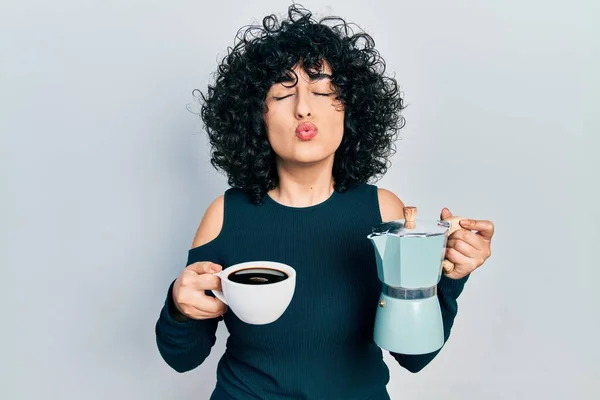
(304, 185)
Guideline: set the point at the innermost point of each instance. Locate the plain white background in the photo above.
(105, 176)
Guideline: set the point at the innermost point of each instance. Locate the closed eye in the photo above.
(315, 93)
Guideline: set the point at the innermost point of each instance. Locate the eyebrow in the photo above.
(313, 77)
(319, 76)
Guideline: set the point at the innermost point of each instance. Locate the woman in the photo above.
(300, 117)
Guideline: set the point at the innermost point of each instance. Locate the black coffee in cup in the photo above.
(257, 276)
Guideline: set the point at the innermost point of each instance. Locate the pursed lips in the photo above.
(306, 131)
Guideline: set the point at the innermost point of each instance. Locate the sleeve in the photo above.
(448, 291)
(182, 342)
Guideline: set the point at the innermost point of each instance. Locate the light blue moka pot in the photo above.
(409, 255)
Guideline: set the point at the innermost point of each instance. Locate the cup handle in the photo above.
(447, 265)
(218, 293)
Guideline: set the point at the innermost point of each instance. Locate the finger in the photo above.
(195, 313)
(208, 282)
(483, 227)
(192, 281)
(445, 214)
(204, 267)
(463, 247)
(455, 274)
(456, 257)
(210, 305)
(198, 305)
(471, 238)
(448, 266)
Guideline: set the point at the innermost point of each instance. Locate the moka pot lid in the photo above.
(411, 227)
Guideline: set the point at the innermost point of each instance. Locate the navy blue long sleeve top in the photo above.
(322, 346)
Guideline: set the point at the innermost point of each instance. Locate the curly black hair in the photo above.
(234, 106)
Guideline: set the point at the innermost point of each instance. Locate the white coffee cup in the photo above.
(257, 304)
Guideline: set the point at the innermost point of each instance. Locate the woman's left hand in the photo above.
(470, 247)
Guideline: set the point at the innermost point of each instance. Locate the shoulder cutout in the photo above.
(211, 223)
(390, 206)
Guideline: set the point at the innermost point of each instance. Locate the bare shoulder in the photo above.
(390, 205)
(211, 223)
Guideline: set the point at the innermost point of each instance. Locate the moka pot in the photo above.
(409, 255)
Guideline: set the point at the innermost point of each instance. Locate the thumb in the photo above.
(445, 214)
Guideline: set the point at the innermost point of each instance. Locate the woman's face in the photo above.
(305, 123)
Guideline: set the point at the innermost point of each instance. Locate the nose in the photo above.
(303, 106)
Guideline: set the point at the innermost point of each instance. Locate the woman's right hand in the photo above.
(189, 287)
